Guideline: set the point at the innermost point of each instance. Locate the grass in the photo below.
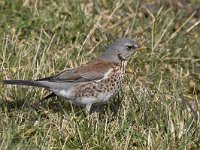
(158, 106)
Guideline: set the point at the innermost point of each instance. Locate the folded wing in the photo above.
(93, 71)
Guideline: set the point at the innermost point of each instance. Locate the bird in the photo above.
(92, 83)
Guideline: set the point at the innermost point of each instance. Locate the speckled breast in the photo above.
(102, 90)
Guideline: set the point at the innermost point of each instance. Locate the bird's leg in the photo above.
(90, 113)
(88, 107)
(49, 96)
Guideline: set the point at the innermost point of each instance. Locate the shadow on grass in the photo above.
(57, 104)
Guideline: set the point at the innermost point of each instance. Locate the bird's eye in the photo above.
(129, 47)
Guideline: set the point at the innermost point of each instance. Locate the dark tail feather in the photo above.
(24, 82)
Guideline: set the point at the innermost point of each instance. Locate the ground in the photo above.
(158, 106)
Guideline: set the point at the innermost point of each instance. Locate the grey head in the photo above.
(120, 50)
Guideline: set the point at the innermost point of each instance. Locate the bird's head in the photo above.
(120, 50)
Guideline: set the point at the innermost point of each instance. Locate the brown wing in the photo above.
(92, 71)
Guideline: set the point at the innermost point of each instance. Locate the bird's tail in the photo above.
(24, 82)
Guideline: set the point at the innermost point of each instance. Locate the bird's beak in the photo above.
(140, 48)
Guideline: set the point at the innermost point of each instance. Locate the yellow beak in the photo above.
(140, 48)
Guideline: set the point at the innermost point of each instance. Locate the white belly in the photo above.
(69, 96)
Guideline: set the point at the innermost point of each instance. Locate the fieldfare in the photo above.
(93, 83)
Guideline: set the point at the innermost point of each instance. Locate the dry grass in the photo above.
(157, 108)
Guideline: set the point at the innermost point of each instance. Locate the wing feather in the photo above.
(93, 71)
